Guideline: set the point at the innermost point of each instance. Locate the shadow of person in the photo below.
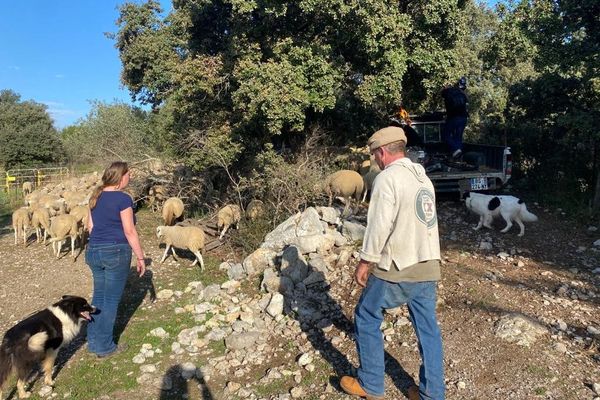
(134, 294)
(307, 298)
(177, 385)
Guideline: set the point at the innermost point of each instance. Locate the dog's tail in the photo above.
(525, 215)
(6, 364)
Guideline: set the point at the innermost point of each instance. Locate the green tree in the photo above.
(109, 132)
(255, 71)
(27, 133)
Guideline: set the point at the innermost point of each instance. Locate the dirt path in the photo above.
(550, 275)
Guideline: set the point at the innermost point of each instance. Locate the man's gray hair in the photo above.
(395, 147)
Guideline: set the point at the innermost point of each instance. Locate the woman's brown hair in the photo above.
(112, 176)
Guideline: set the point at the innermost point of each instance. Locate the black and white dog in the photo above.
(38, 338)
(509, 208)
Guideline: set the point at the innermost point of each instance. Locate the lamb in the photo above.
(182, 237)
(255, 209)
(345, 183)
(227, 216)
(172, 209)
(27, 188)
(61, 227)
(40, 219)
(21, 220)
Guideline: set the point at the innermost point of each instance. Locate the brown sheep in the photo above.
(346, 184)
(227, 216)
(40, 219)
(21, 220)
(255, 210)
(172, 209)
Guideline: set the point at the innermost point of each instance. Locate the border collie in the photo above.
(38, 338)
(509, 208)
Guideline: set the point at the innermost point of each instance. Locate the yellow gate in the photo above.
(37, 176)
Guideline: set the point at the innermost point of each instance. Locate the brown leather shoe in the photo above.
(352, 387)
(413, 393)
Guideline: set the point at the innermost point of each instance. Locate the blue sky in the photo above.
(55, 52)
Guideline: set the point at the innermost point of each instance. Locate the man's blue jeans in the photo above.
(110, 265)
(368, 316)
(452, 133)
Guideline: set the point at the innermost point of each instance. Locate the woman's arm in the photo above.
(133, 238)
(90, 222)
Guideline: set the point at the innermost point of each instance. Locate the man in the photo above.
(402, 242)
(455, 101)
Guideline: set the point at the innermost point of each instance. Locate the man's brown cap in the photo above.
(385, 136)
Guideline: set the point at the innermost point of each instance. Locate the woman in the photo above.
(112, 237)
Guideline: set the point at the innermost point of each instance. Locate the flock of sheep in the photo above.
(60, 211)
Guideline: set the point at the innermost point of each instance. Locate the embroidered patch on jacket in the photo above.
(425, 207)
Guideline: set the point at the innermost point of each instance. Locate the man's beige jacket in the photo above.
(402, 219)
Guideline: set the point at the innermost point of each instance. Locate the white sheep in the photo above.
(81, 213)
(172, 209)
(54, 204)
(21, 220)
(347, 184)
(61, 227)
(255, 209)
(182, 237)
(40, 219)
(27, 188)
(230, 214)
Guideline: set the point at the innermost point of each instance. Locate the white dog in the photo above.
(488, 206)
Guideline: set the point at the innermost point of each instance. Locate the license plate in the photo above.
(479, 183)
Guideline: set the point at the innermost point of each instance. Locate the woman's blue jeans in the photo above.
(110, 265)
(368, 316)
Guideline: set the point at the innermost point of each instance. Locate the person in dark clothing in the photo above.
(456, 102)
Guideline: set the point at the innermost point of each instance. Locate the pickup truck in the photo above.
(483, 167)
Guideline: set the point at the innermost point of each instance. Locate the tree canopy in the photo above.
(27, 134)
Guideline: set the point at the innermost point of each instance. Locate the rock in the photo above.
(275, 306)
(518, 329)
(596, 388)
(212, 291)
(305, 359)
(560, 347)
(461, 385)
(329, 215)
(483, 245)
(232, 387)
(260, 259)
(309, 223)
(216, 335)
(148, 368)
(313, 243)
(313, 278)
(503, 255)
(230, 286)
(186, 336)
(317, 263)
(274, 283)
(293, 264)
(45, 391)
(164, 294)
(139, 359)
(561, 325)
(236, 272)
(597, 243)
(159, 332)
(593, 331)
(344, 257)
(297, 392)
(282, 234)
(354, 231)
(240, 341)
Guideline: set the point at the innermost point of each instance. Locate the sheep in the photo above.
(156, 196)
(344, 183)
(40, 218)
(82, 214)
(255, 209)
(27, 187)
(55, 204)
(227, 216)
(21, 220)
(368, 179)
(62, 226)
(172, 209)
(183, 237)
